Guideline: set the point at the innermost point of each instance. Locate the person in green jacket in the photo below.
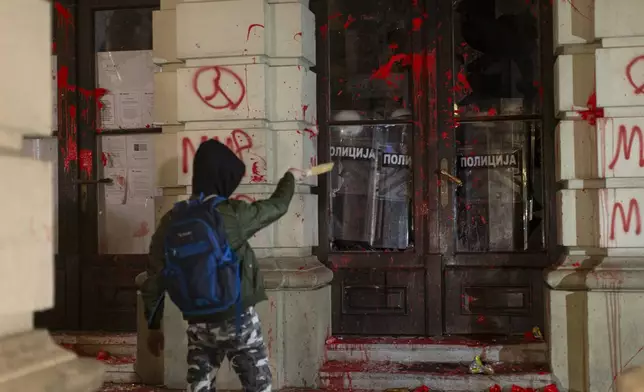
(218, 171)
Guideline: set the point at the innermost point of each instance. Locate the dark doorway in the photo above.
(436, 115)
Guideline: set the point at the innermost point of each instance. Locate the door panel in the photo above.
(379, 302)
(109, 302)
(493, 301)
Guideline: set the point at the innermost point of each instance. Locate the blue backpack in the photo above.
(202, 272)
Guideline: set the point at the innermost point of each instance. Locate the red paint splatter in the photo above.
(416, 23)
(304, 108)
(104, 159)
(85, 162)
(633, 210)
(496, 388)
(65, 17)
(350, 20)
(592, 113)
(480, 319)
(324, 29)
(492, 112)
(576, 264)
(142, 230)
(415, 60)
(299, 34)
(311, 133)
(393, 46)
(551, 388)
(251, 27)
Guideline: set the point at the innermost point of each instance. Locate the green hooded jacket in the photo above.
(241, 221)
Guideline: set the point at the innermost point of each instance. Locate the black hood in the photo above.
(216, 170)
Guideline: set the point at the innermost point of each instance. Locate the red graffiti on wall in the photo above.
(250, 27)
(637, 85)
(211, 76)
(65, 17)
(238, 142)
(625, 144)
(633, 211)
(85, 162)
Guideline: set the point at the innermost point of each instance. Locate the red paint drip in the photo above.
(85, 162)
(416, 23)
(104, 159)
(65, 18)
(592, 113)
(252, 26)
(304, 108)
(324, 29)
(350, 20)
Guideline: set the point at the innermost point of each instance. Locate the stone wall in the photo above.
(29, 359)
(596, 297)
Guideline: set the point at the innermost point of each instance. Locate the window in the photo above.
(124, 68)
(496, 73)
(370, 126)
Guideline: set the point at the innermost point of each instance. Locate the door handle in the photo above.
(452, 178)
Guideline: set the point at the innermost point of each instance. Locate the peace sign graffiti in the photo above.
(228, 96)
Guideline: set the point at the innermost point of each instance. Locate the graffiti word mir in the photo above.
(489, 161)
(365, 153)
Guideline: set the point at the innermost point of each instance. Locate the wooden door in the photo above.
(475, 125)
(65, 313)
(119, 31)
(499, 125)
(375, 210)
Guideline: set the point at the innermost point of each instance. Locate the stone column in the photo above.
(30, 361)
(597, 293)
(239, 71)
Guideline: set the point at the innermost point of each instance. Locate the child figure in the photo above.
(234, 333)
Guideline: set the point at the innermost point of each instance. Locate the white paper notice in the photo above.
(114, 151)
(139, 152)
(108, 116)
(140, 187)
(129, 110)
(115, 192)
(129, 228)
(129, 77)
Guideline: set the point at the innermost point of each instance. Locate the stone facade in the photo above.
(239, 71)
(596, 295)
(29, 359)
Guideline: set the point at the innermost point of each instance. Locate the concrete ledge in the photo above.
(294, 273)
(31, 361)
(597, 273)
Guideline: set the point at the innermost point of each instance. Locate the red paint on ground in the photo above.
(425, 368)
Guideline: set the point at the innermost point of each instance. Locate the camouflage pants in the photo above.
(209, 343)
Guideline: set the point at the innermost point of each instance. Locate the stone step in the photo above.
(91, 343)
(116, 351)
(439, 350)
(356, 376)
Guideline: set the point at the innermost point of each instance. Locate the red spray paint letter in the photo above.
(637, 85)
(627, 145)
(633, 209)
